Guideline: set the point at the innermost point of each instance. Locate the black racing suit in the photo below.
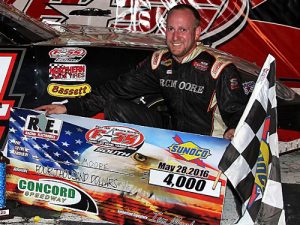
(196, 92)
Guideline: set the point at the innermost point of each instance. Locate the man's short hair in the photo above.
(188, 7)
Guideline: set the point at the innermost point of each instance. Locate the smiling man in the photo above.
(202, 90)
(183, 31)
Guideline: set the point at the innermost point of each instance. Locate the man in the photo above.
(202, 92)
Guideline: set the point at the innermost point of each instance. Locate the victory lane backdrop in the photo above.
(122, 173)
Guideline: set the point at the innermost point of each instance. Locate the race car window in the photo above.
(16, 33)
(21, 28)
(4, 40)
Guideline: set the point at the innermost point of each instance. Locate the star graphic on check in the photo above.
(107, 137)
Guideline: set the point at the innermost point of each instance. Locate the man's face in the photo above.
(182, 33)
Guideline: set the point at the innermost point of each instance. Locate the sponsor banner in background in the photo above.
(113, 171)
(250, 29)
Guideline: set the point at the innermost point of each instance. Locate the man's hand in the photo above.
(53, 109)
(229, 134)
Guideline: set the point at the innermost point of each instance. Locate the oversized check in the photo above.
(118, 172)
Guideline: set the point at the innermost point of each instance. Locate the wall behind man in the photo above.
(250, 29)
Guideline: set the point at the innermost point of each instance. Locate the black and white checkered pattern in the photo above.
(251, 161)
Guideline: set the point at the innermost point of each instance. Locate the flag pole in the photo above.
(217, 180)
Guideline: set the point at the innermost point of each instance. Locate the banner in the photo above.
(250, 29)
(117, 172)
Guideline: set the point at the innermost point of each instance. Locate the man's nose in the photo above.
(175, 35)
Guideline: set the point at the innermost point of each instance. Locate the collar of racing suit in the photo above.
(157, 55)
(197, 50)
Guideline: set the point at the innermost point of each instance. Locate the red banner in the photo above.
(250, 29)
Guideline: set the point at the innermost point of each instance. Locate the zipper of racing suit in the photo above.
(181, 97)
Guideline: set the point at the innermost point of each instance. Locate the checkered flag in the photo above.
(251, 161)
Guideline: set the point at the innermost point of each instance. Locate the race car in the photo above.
(42, 64)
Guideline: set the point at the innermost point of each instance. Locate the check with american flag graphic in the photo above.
(118, 172)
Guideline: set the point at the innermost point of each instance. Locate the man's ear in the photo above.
(198, 33)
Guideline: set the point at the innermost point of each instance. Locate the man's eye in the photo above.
(182, 30)
(170, 28)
